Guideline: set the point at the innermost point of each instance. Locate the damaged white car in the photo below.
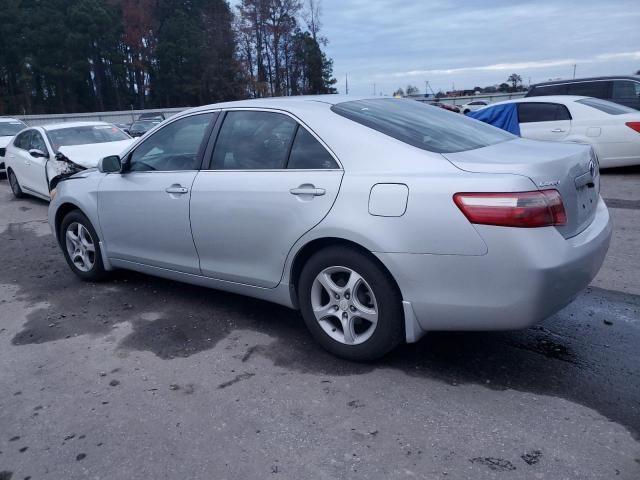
(39, 157)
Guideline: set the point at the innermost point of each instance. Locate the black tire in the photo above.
(389, 329)
(14, 184)
(466, 111)
(97, 272)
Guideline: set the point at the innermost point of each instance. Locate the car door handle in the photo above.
(308, 190)
(557, 130)
(177, 189)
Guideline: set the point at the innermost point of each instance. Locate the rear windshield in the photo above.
(423, 126)
(85, 135)
(606, 107)
(9, 129)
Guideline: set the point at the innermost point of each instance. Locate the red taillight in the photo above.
(634, 126)
(518, 209)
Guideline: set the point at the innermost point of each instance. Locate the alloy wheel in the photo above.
(344, 305)
(80, 246)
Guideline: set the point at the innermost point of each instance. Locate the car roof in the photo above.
(564, 99)
(586, 79)
(286, 103)
(58, 126)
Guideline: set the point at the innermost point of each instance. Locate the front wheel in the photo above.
(350, 305)
(81, 247)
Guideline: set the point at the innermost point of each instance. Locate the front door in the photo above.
(144, 212)
(270, 181)
(35, 173)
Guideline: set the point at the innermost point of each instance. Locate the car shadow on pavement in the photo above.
(584, 353)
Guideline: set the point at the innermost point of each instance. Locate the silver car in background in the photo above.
(379, 219)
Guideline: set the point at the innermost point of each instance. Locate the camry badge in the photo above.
(549, 184)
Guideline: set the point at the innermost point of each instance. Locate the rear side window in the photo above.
(600, 89)
(546, 90)
(626, 90)
(308, 153)
(530, 112)
(250, 140)
(423, 126)
(606, 107)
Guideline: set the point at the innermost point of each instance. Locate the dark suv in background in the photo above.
(624, 90)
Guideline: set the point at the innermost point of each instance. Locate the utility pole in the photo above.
(574, 70)
(374, 89)
(346, 83)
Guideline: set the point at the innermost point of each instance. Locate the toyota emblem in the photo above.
(592, 168)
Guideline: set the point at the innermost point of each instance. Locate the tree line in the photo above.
(63, 56)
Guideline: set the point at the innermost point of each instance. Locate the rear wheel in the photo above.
(81, 247)
(350, 305)
(15, 186)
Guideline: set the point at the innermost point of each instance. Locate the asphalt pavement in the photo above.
(143, 378)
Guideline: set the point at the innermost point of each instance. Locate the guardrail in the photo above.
(488, 97)
(124, 116)
(128, 116)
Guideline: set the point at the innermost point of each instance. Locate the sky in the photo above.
(465, 43)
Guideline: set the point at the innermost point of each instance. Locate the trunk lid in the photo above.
(570, 168)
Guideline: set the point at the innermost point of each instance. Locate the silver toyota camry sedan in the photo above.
(379, 219)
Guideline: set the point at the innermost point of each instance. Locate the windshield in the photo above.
(423, 126)
(606, 107)
(147, 125)
(85, 135)
(9, 129)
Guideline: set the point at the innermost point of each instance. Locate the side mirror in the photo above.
(110, 164)
(35, 153)
(127, 131)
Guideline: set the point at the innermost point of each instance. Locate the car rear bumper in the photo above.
(526, 276)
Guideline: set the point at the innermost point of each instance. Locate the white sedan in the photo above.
(612, 130)
(473, 106)
(38, 156)
(9, 127)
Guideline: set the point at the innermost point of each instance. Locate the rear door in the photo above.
(544, 120)
(19, 158)
(270, 180)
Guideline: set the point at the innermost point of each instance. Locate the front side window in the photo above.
(176, 146)
(606, 107)
(423, 126)
(37, 142)
(530, 112)
(308, 153)
(250, 140)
